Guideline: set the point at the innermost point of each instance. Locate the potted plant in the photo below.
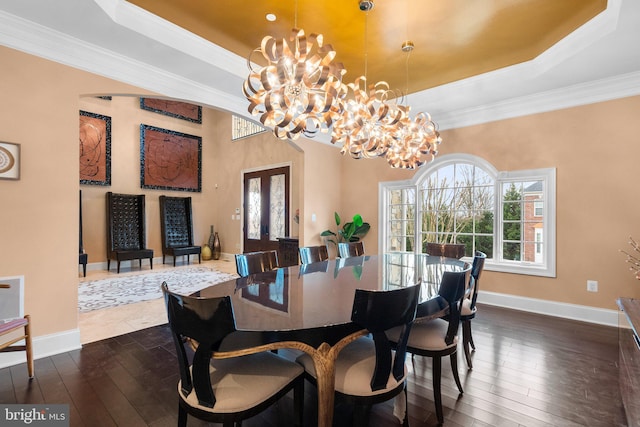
(350, 231)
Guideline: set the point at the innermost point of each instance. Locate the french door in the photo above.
(266, 208)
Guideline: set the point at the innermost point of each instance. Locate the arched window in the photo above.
(463, 199)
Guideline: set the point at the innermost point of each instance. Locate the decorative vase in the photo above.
(206, 252)
(211, 237)
(216, 246)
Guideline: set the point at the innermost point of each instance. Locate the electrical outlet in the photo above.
(592, 285)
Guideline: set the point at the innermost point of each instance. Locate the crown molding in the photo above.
(213, 74)
(44, 42)
(573, 96)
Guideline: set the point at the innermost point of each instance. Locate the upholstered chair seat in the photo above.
(466, 309)
(353, 372)
(368, 370)
(437, 338)
(242, 383)
(231, 387)
(431, 334)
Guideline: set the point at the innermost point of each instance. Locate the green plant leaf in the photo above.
(357, 220)
(337, 218)
(328, 233)
(348, 230)
(362, 230)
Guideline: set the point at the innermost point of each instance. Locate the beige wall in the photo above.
(222, 165)
(39, 213)
(231, 158)
(594, 149)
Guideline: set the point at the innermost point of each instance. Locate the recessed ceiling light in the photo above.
(271, 17)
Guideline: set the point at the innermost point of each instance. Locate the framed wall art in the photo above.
(95, 149)
(177, 109)
(9, 160)
(170, 160)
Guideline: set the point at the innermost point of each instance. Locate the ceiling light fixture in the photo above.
(415, 140)
(299, 91)
(299, 88)
(369, 114)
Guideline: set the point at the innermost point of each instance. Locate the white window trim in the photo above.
(547, 175)
(548, 266)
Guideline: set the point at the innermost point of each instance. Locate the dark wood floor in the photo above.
(529, 370)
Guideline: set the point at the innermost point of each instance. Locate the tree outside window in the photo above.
(510, 216)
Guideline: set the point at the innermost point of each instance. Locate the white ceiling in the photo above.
(600, 61)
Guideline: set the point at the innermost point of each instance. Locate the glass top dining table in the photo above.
(308, 307)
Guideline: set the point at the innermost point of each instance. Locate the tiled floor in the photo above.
(109, 322)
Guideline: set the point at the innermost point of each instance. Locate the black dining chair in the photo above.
(469, 309)
(256, 262)
(367, 369)
(311, 254)
(448, 250)
(437, 338)
(350, 249)
(231, 389)
(314, 267)
(176, 228)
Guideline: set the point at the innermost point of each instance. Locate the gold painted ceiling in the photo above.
(454, 39)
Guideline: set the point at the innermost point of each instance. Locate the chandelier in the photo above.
(415, 142)
(299, 89)
(365, 126)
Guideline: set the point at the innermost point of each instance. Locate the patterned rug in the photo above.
(129, 289)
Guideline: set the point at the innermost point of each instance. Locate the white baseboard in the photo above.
(94, 266)
(582, 313)
(44, 346)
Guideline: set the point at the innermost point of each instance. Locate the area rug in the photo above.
(129, 289)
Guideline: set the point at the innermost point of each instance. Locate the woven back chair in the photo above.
(126, 229)
(176, 224)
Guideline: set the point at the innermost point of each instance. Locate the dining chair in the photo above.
(448, 250)
(230, 389)
(256, 262)
(83, 257)
(314, 267)
(310, 254)
(350, 249)
(469, 309)
(437, 338)
(12, 331)
(126, 229)
(367, 369)
(176, 228)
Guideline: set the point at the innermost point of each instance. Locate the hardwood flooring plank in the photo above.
(529, 370)
(7, 391)
(90, 408)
